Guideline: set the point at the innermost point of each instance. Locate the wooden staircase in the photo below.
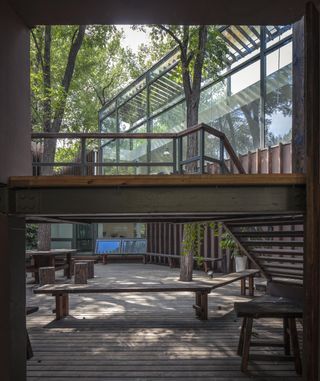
(274, 244)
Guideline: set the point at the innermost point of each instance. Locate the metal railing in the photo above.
(88, 161)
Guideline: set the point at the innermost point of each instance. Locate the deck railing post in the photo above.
(201, 151)
(221, 156)
(179, 155)
(174, 155)
(83, 157)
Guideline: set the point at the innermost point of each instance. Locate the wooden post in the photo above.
(311, 314)
(80, 272)
(46, 275)
(298, 123)
(246, 344)
(251, 285)
(243, 286)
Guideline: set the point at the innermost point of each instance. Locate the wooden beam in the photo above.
(156, 180)
(205, 201)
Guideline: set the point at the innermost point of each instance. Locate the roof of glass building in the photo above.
(160, 87)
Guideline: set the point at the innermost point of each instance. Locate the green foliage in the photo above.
(165, 37)
(192, 240)
(31, 236)
(226, 241)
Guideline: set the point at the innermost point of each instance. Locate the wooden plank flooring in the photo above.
(146, 336)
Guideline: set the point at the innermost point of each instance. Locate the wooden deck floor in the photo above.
(145, 337)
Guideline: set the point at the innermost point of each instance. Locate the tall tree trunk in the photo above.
(192, 93)
(52, 121)
(44, 237)
(251, 113)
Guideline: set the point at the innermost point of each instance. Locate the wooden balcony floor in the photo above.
(146, 337)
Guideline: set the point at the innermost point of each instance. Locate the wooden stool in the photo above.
(46, 275)
(90, 263)
(80, 272)
(272, 308)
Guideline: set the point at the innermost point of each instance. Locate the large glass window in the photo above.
(253, 108)
(172, 120)
(278, 103)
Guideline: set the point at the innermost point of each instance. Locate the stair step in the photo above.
(288, 234)
(272, 243)
(279, 266)
(256, 252)
(281, 274)
(287, 273)
(279, 259)
(284, 280)
(266, 222)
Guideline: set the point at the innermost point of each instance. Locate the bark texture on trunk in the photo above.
(44, 237)
(52, 119)
(192, 93)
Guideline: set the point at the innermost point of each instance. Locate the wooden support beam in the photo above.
(172, 201)
(298, 122)
(311, 349)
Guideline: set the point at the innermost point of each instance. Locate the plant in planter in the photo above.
(227, 242)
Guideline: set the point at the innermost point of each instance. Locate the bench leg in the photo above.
(251, 285)
(286, 337)
(198, 303)
(295, 345)
(241, 338)
(243, 286)
(204, 306)
(29, 348)
(62, 306)
(246, 345)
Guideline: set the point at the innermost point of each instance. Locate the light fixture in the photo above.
(166, 152)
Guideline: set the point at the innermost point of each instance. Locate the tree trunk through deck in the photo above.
(192, 92)
(44, 237)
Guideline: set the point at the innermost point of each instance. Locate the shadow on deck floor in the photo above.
(146, 337)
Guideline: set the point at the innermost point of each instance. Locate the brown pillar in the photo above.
(312, 229)
(15, 159)
(12, 294)
(298, 122)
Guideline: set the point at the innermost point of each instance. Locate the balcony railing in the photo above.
(136, 153)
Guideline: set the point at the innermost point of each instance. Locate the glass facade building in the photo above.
(251, 102)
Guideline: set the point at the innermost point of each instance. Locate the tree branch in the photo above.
(169, 31)
(39, 52)
(68, 74)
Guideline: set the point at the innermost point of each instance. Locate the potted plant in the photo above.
(227, 242)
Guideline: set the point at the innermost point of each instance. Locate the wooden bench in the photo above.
(173, 260)
(269, 307)
(61, 293)
(200, 287)
(106, 257)
(208, 263)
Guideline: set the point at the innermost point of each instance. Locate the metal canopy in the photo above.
(161, 86)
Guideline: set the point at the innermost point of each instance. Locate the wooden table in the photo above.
(48, 258)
